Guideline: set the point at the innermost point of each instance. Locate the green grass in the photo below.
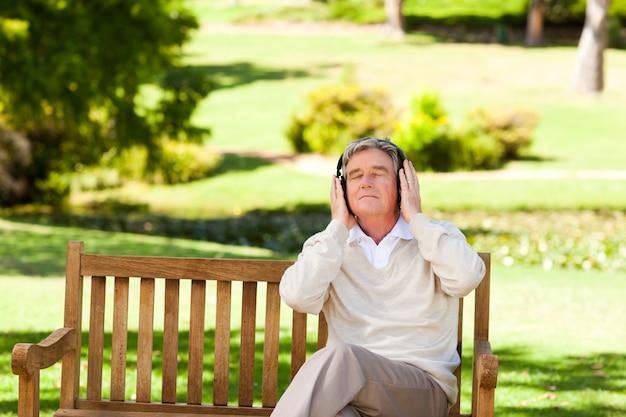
(35, 250)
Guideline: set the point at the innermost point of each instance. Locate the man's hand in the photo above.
(338, 207)
(411, 202)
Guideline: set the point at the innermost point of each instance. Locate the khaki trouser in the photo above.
(350, 381)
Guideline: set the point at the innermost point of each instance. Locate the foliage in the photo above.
(184, 162)
(15, 159)
(426, 138)
(432, 144)
(337, 115)
(512, 129)
(71, 72)
(357, 11)
(179, 162)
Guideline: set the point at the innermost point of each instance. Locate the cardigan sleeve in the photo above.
(304, 285)
(454, 262)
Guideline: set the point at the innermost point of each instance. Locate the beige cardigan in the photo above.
(406, 311)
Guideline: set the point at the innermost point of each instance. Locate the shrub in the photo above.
(178, 163)
(336, 115)
(427, 138)
(184, 162)
(513, 129)
(481, 151)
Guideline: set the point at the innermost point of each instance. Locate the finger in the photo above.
(411, 175)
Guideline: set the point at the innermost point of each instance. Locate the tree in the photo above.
(72, 71)
(395, 18)
(588, 75)
(534, 23)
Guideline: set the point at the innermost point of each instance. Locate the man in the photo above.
(388, 280)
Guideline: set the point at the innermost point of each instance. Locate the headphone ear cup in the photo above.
(402, 158)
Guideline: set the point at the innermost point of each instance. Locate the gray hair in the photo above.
(385, 145)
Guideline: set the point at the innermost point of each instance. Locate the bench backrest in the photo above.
(182, 310)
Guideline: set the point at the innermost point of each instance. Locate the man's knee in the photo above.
(342, 353)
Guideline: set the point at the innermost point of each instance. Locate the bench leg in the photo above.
(28, 402)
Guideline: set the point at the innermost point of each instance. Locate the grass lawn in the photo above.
(267, 77)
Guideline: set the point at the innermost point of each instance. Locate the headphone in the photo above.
(343, 179)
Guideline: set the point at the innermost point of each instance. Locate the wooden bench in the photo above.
(188, 285)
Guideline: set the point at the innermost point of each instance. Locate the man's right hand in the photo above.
(338, 207)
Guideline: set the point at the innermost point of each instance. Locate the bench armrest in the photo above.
(485, 379)
(486, 365)
(28, 358)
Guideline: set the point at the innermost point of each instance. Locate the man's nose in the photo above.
(367, 181)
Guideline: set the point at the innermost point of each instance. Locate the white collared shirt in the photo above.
(378, 255)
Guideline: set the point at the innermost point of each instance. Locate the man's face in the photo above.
(371, 183)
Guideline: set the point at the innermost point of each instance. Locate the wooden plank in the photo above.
(221, 362)
(271, 340)
(131, 408)
(247, 348)
(196, 342)
(170, 340)
(481, 322)
(456, 408)
(28, 395)
(119, 339)
(298, 342)
(481, 312)
(189, 268)
(70, 374)
(96, 338)
(145, 339)
(322, 331)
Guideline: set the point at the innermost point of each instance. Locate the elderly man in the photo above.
(388, 280)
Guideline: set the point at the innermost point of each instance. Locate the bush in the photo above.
(337, 115)
(426, 138)
(481, 151)
(513, 129)
(184, 162)
(432, 144)
(178, 163)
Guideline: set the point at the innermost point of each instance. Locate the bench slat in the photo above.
(221, 362)
(322, 331)
(456, 408)
(189, 268)
(96, 338)
(195, 363)
(271, 342)
(134, 409)
(120, 337)
(170, 340)
(145, 339)
(298, 342)
(248, 331)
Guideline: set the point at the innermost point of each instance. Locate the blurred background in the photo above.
(213, 127)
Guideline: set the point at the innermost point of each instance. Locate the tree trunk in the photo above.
(588, 76)
(395, 18)
(534, 23)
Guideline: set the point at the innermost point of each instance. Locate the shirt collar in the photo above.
(400, 230)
